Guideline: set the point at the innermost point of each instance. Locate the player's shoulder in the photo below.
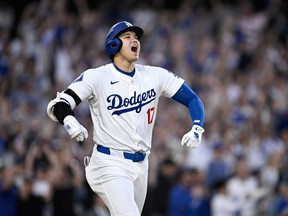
(93, 73)
(150, 68)
(154, 71)
(100, 69)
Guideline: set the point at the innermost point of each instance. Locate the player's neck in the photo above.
(124, 65)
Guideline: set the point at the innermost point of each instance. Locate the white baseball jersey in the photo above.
(123, 108)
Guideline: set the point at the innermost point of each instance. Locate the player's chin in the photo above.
(134, 57)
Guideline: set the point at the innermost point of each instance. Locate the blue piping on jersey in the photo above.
(131, 74)
(186, 96)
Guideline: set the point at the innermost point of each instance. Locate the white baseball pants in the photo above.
(120, 183)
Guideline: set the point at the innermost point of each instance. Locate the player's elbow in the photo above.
(196, 102)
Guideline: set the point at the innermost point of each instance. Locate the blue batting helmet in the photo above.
(113, 43)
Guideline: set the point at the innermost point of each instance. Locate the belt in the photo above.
(135, 157)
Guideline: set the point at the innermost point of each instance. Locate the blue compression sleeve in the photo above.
(186, 96)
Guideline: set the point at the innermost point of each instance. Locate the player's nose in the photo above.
(134, 39)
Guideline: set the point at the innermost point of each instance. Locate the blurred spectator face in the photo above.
(284, 135)
(284, 189)
(242, 169)
(218, 150)
(189, 178)
(9, 173)
(199, 191)
(169, 169)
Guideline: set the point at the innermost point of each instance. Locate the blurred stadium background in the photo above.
(234, 54)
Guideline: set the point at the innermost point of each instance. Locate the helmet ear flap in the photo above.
(113, 46)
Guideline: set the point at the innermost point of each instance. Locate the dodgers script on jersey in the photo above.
(123, 108)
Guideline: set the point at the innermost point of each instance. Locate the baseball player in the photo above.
(123, 98)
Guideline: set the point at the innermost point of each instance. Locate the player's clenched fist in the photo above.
(193, 137)
(75, 129)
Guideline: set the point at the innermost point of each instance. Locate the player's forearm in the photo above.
(61, 111)
(196, 110)
(186, 96)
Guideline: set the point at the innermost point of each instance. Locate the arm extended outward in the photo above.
(186, 96)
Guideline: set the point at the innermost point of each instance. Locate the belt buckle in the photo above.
(139, 156)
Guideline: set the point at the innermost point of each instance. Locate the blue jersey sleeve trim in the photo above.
(186, 96)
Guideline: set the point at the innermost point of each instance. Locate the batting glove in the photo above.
(193, 138)
(76, 131)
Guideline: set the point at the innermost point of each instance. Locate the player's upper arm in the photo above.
(85, 83)
(66, 101)
(184, 95)
(169, 83)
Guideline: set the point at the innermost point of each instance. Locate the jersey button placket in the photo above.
(133, 89)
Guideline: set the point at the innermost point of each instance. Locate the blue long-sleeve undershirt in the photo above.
(186, 96)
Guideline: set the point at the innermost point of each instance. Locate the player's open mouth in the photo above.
(134, 49)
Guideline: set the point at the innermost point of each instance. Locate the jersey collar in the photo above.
(131, 74)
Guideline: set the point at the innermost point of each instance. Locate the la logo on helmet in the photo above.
(127, 23)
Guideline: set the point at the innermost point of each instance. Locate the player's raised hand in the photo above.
(76, 131)
(193, 137)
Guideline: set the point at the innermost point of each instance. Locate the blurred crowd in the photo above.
(234, 55)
